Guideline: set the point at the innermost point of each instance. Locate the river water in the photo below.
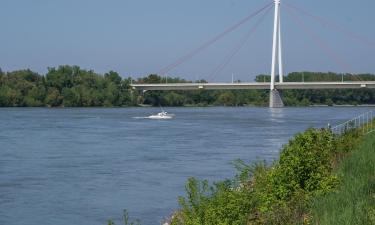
(83, 166)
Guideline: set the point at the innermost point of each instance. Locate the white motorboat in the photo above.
(162, 115)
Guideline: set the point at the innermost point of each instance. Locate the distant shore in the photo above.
(185, 106)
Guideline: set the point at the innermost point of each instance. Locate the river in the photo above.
(83, 166)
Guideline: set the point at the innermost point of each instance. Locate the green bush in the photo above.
(277, 194)
(126, 220)
(304, 165)
(292, 189)
(221, 203)
(354, 201)
(303, 171)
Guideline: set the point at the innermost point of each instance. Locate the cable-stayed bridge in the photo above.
(255, 86)
(276, 62)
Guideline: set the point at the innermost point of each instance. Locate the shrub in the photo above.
(220, 203)
(280, 193)
(304, 170)
(354, 201)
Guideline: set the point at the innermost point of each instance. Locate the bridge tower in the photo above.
(275, 98)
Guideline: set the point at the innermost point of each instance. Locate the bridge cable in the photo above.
(211, 41)
(335, 26)
(239, 46)
(320, 43)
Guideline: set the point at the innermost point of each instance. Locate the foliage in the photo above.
(304, 170)
(261, 97)
(221, 203)
(126, 220)
(72, 86)
(280, 193)
(354, 201)
(64, 86)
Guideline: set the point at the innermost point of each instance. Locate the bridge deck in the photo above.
(258, 86)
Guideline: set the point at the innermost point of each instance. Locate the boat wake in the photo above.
(153, 117)
(163, 115)
(160, 116)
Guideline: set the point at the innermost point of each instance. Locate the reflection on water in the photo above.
(277, 114)
(84, 166)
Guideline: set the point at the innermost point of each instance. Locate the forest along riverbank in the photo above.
(71, 86)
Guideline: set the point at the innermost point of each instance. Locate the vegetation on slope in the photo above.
(354, 200)
(71, 86)
(289, 191)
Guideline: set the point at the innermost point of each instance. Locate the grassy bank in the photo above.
(354, 200)
(319, 179)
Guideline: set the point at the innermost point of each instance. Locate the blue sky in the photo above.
(139, 37)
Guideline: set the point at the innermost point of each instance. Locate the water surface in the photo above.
(85, 165)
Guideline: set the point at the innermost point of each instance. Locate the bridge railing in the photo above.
(365, 123)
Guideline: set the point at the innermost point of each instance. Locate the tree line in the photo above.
(71, 86)
(261, 97)
(68, 86)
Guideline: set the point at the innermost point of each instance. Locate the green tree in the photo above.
(53, 97)
(226, 99)
(174, 99)
(9, 97)
(113, 77)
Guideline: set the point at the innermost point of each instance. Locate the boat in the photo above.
(162, 115)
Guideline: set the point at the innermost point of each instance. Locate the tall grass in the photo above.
(354, 201)
(276, 194)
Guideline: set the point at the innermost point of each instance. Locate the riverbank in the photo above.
(319, 179)
(354, 201)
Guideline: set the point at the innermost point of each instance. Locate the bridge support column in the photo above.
(275, 98)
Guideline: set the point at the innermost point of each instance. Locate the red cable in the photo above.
(333, 25)
(238, 47)
(320, 43)
(210, 42)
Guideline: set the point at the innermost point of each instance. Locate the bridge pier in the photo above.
(275, 99)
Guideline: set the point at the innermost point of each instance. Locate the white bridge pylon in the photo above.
(275, 98)
(273, 86)
(276, 47)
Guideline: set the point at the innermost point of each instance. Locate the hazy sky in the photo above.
(139, 37)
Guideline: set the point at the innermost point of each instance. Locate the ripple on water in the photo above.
(84, 166)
